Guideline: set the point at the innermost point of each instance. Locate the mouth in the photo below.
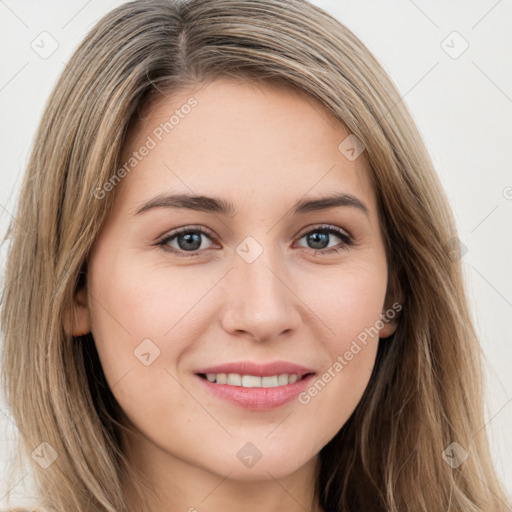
(254, 386)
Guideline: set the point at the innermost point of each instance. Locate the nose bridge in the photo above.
(258, 265)
(261, 302)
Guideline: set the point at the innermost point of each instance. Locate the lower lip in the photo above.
(258, 399)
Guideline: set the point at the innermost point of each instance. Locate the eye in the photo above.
(188, 240)
(320, 237)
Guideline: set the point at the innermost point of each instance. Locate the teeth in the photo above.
(250, 381)
(234, 379)
(253, 381)
(282, 380)
(221, 378)
(270, 382)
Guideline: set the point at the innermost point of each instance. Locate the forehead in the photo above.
(243, 141)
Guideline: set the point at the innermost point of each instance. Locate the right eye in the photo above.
(188, 240)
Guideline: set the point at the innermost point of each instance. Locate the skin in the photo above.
(262, 148)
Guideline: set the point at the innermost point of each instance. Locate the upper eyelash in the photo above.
(326, 228)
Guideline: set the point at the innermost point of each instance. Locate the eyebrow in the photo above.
(216, 205)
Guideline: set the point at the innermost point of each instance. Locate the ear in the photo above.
(77, 320)
(393, 305)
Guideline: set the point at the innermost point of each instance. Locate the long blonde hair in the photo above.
(426, 389)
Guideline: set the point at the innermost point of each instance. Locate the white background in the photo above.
(463, 107)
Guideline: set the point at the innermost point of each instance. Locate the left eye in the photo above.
(323, 234)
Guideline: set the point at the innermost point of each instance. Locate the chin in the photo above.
(260, 471)
(265, 463)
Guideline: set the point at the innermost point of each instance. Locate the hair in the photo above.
(426, 389)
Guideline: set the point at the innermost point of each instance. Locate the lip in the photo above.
(258, 369)
(258, 399)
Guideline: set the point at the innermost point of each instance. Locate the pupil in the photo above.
(189, 238)
(314, 238)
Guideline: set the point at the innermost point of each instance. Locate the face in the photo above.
(260, 280)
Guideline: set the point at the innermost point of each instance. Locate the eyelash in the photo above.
(324, 228)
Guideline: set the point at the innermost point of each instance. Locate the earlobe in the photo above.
(389, 327)
(390, 318)
(393, 305)
(77, 317)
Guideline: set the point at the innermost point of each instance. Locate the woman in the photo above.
(256, 368)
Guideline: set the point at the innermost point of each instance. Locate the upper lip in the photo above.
(258, 369)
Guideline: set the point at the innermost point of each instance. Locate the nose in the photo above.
(261, 304)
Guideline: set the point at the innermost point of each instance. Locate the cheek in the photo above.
(144, 319)
(140, 301)
(348, 301)
(137, 322)
(349, 305)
